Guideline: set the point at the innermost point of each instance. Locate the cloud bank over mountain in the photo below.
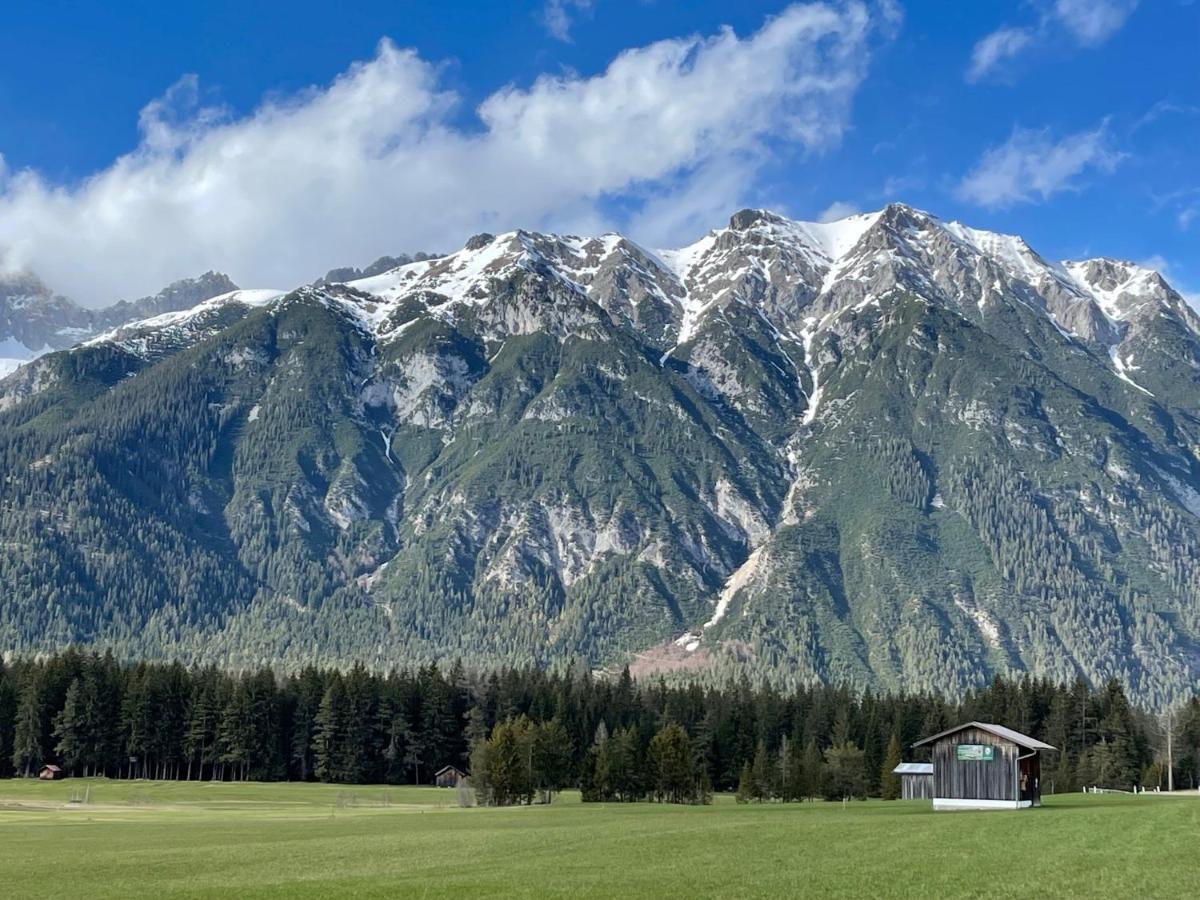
(384, 157)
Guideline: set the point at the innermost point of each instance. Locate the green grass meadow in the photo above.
(155, 839)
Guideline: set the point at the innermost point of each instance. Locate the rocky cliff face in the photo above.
(889, 450)
(35, 320)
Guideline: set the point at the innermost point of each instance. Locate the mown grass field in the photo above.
(148, 839)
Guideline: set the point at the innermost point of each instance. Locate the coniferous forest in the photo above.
(523, 734)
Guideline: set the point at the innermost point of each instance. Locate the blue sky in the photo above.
(147, 141)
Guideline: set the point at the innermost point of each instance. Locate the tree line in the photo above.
(524, 733)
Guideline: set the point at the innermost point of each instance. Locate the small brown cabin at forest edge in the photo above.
(448, 777)
(50, 773)
(983, 766)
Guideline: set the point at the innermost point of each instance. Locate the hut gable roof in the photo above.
(444, 769)
(51, 768)
(1006, 734)
(914, 769)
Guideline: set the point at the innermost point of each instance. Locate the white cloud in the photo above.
(839, 209)
(1092, 22)
(997, 48)
(1088, 23)
(376, 163)
(559, 15)
(1031, 166)
(696, 203)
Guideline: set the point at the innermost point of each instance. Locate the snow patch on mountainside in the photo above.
(836, 239)
(1008, 250)
(251, 298)
(1123, 368)
(814, 397)
(1130, 286)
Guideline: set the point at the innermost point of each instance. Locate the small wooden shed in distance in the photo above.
(448, 777)
(50, 773)
(916, 780)
(978, 765)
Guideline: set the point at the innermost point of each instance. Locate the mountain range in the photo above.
(35, 320)
(890, 451)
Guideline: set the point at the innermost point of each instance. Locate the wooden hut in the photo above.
(448, 777)
(982, 766)
(50, 773)
(916, 780)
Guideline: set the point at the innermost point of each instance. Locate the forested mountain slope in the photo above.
(888, 450)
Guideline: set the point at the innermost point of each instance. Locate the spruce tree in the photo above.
(510, 768)
(813, 767)
(745, 785)
(552, 751)
(68, 730)
(845, 774)
(235, 732)
(8, 713)
(671, 766)
(27, 732)
(627, 766)
(762, 786)
(889, 781)
(329, 732)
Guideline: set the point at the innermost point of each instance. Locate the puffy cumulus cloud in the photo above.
(997, 48)
(380, 160)
(1032, 166)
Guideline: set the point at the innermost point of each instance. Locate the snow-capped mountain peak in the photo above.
(798, 275)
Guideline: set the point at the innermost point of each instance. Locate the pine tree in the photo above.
(889, 781)
(199, 740)
(329, 732)
(235, 732)
(762, 784)
(627, 766)
(309, 689)
(596, 777)
(813, 767)
(552, 751)
(745, 785)
(510, 770)
(68, 728)
(845, 775)
(359, 746)
(8, 714)
(671, 765)
(27, 733)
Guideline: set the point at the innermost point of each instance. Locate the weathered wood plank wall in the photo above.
(975, 779)
(916, 787)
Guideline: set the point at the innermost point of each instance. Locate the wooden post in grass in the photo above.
(1170, 749)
